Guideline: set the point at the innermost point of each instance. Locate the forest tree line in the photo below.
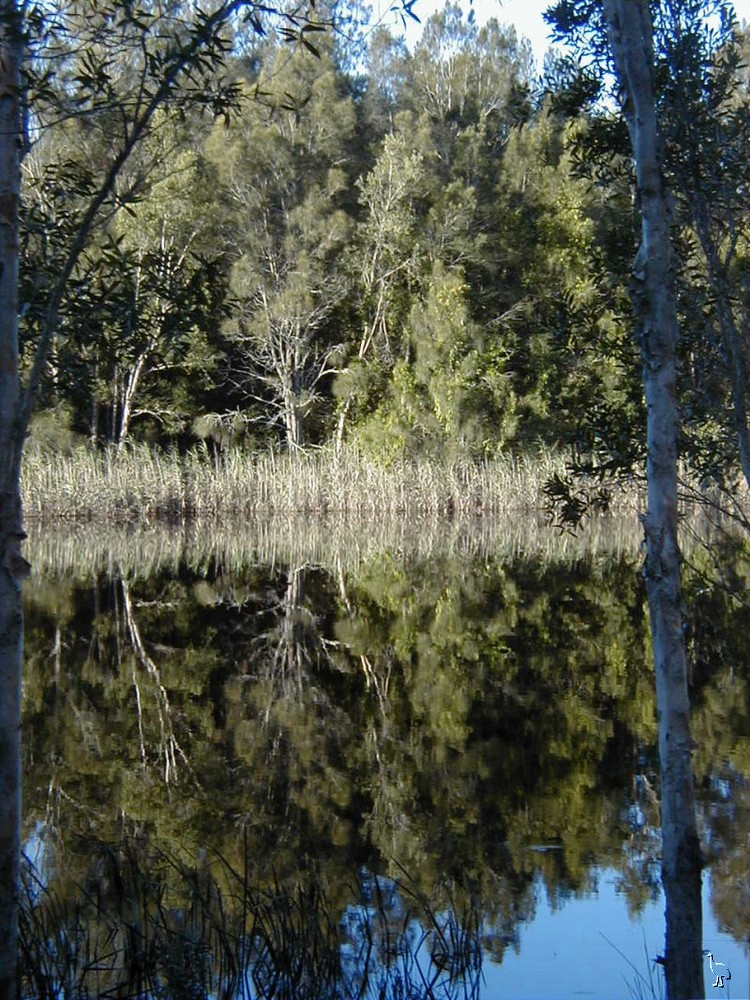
(422, 253)
(417, 254)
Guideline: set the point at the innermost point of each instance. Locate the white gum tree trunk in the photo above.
(630, 34)
(203, 43)
(12, 565)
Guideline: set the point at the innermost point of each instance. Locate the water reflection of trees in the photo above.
(287, 653)
(465, 717)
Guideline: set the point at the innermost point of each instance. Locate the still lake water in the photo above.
(449, 727)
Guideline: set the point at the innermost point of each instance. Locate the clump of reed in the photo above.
(138, 484)
(148, 924)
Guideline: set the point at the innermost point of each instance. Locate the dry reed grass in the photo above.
(146, 486)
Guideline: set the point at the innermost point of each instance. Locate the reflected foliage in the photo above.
(718, 587)
(484, 723)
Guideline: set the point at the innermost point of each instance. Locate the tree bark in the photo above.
(12, 565)
(16, 406)
(630, 34)
(131, 385)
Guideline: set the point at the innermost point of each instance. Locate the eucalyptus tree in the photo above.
(13, 567)
(708, 142)
(386, 264)
(630, 33)
(452, 397)
(426, 217)
(641, 43)
(386, 83)
(168, 275)
(460, 72)
(283, 176)
(113, 66)
(555, 296)
(131, 330)
(467, 87)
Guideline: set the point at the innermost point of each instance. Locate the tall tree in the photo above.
(709, 144)
(385, 262)
(13, 567)
(626, 27)
(115, 66)
(283, 175)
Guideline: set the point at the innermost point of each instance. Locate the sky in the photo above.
(524, 15)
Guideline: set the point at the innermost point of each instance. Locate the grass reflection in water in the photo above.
(448, 698)
(147, 925)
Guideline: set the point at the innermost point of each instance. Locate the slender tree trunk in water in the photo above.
(630, 34)
(12, 565)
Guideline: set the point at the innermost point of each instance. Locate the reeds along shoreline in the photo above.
(145, 486)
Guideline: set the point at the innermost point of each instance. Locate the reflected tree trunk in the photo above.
(292, 654)
(631, 38)
(293, 646)
(169, 747)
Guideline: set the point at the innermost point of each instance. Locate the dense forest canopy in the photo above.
(425, 253)
(232, 226)
(399, 249)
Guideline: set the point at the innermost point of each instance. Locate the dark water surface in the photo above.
(432, 750)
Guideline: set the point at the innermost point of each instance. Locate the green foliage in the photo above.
(279, 277)
(571, 352)
(702, 106)
(52, 431)
(403, 703)
(455, 399)
(282, 180)
(409, 708)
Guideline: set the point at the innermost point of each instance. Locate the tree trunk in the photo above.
(292, 416)
(341, 423)
(94, 420)
(12, 565)
(131, 385)
(630, 34)
(114, 410)
(378, 323)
